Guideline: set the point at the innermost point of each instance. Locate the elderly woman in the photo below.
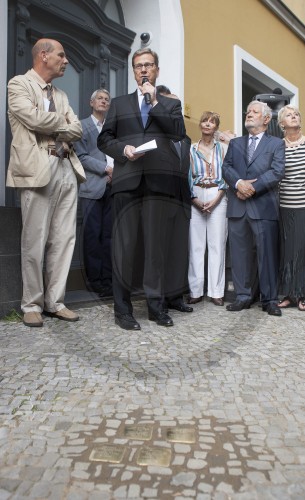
(292, 210)
(208, 227)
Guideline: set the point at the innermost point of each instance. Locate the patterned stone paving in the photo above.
(213, 408)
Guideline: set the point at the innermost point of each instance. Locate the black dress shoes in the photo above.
(180, 306)
(272, 309)
(106, 293)
(161, 318)
(95, 287)
(127, 322)
(239, 305)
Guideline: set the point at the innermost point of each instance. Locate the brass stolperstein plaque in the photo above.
(108, 453)
(143, 432)
(181, 435)
(154, 456)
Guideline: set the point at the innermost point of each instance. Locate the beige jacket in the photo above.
(32, 127)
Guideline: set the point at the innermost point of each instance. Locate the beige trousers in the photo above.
(48, 238)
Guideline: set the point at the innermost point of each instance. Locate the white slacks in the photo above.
(208, 231)
(48, 236)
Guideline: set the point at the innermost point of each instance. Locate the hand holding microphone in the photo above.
(146, 94)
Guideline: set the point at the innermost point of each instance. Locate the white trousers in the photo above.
(48, 236)
(208, 231)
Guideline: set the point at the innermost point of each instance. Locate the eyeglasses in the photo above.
(147, 65)
(102, 99)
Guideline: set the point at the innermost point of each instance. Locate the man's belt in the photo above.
(52, 152)
(206, 185)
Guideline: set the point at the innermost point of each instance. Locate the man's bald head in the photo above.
(44, 44)
(49, 59)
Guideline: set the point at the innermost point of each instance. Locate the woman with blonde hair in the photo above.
(292, 210)
(208, 226)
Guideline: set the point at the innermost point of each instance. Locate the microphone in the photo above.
(146, 95)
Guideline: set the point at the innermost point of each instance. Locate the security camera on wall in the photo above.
(146, 38)
(275, 100)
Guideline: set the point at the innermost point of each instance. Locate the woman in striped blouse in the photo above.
(292, 209)
(208, 227)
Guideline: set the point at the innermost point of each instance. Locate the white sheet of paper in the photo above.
(109, 161)
(147, 146)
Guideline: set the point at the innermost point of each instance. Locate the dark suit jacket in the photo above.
(124, 126)
(181, 171)
(93, 161)
(267, 166)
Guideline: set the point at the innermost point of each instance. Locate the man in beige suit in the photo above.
(45, 168)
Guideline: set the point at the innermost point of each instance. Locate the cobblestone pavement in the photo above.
(212, 408)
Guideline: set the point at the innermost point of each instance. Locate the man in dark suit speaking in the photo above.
(141, 186)
(253, 168)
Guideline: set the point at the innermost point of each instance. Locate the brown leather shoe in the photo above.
(218, 302)
(32, 319)
(194, 300)
(65, 314)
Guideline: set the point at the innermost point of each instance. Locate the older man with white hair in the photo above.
(253, 168)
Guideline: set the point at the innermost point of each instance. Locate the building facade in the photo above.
(98, 36)
(235, 49)
(214, 55)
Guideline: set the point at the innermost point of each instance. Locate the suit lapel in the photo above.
(245, 140)
(36, 89)
(92, 127)
(174, 148)
(134, 101)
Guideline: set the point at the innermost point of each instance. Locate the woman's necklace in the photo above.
(206, 147)
(293, 144)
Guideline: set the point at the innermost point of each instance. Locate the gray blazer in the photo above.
(93, 160)
(267, 166)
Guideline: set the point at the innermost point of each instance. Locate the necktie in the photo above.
(59, 147)
(145, 108)
(251, 147)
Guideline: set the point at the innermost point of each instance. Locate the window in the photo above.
(252, 77)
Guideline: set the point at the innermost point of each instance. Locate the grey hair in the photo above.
(282, 111)
(99, 91)
(265, 108)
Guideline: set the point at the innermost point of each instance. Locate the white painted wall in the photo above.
(3, 98)
(271, 78)
(163, 19)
